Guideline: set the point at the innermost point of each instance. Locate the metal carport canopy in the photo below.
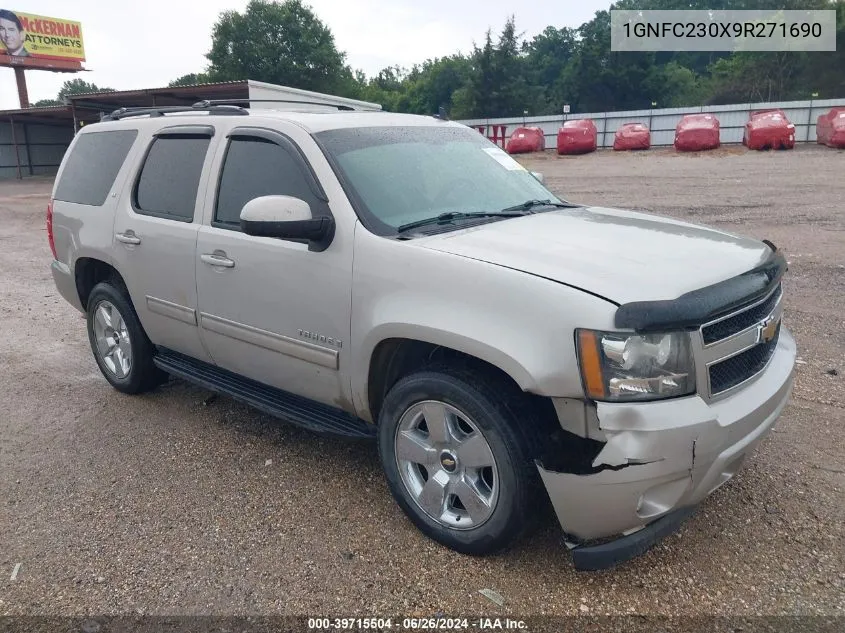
(173, 96)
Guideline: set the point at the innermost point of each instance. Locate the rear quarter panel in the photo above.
(87, 231)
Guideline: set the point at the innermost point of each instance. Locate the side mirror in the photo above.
(286, 218)
(539, 176)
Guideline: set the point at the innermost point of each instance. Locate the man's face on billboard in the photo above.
(11, 36)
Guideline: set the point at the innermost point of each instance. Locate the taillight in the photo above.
(50, 229)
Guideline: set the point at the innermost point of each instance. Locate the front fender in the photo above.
(459, 341)
(518, 322)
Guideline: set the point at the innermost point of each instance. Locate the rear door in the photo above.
(155, 234)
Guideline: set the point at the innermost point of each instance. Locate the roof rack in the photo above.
(441, 114)
(212, 106)
(216, 102)
(123, 113)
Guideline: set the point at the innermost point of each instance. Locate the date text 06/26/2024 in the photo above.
(416, 624)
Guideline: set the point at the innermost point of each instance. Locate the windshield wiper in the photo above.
(533, 204)
(450, 216)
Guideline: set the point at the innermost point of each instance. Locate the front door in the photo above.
(155, 234)
(272, 310)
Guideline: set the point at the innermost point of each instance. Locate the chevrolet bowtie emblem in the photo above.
(767, 329)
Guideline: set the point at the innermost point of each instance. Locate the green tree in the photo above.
(599, 79)
(498, 85)
(463, 103)
(604, 80)
(675, 85)
(387, 88)
(78, 87)
(282, 43)
(512, 91)
(825, 74)
(189, 80)
(285, 43)
(480, 93)
(70, 87)
(749, 76)
(434, 84)
(548, 55)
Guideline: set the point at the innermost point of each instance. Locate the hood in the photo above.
(622, 256)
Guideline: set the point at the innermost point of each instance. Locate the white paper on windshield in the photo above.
(503, 158)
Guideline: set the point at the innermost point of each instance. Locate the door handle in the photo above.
(128, 238)
(217, 259)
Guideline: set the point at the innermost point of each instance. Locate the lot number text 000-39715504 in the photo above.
(415, 624)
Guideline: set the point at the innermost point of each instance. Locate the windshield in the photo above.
(400, 175)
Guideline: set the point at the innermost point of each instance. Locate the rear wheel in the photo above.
(456, 460)
(121, 348)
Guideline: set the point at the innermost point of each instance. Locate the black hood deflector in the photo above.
(691, 310)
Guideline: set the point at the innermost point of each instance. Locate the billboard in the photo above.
(37, 41)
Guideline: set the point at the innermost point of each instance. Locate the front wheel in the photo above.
(456, 460)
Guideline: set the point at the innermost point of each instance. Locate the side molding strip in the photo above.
(172, 310)
(268, 340)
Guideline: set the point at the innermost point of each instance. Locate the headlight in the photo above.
(620, 367)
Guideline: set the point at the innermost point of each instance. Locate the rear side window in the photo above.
(257, 167)
(170, 177)
(92, 166)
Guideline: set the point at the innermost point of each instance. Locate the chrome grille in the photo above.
(738, 322)
(737, 369)
(731, 350)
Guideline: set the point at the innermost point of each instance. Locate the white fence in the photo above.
(732, 118)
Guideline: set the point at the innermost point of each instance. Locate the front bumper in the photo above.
(667, 456)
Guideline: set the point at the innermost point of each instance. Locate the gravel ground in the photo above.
(175, 503)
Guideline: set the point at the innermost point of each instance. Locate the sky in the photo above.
(147, 44)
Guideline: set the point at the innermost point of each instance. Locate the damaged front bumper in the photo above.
(661, 459)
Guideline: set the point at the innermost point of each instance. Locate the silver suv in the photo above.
(401, 278)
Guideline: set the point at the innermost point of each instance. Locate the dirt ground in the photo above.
(174, 503)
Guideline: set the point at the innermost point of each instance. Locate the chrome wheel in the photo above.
(447, 465)
(112, 338)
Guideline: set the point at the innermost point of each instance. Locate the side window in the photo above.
(167, 186)
(257, 167)
(92, 166)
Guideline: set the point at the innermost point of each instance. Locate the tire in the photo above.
(109, 305)
(495, 413)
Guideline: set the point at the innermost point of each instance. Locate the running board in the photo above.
(303, 412)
